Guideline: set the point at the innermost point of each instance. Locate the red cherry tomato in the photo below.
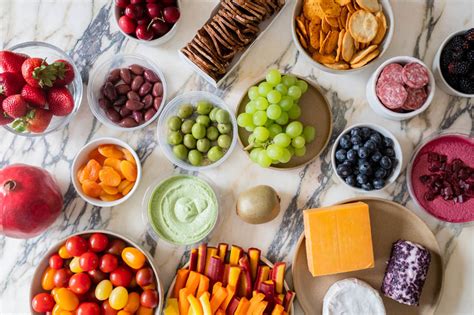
(107, 309)
(76, 245)
(89, 261)
(121, 276)
(149, 298)
(98, 242)
(88, 308)
(144, 276)
(97, 275)
(43, 302)
(116, 247)
(56, 262)
(61, 277)
(108, 263)
(80, 283)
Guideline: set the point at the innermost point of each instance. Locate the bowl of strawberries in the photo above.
(40, 89)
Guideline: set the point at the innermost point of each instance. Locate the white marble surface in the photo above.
(86, 30)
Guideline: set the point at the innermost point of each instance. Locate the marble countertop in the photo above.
(86, 30)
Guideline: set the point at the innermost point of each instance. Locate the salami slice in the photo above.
(415, 98)
(415, 75)
(392, 94)
(391, 72)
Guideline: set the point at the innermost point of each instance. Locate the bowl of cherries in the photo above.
(152, 22)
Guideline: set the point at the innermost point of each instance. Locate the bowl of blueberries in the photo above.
(366, 157)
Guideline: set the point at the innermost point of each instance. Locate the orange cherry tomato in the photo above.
(63, 253)
(142, 310)
(66, 299)
(133, 257)
(47, 280)
(133, 302)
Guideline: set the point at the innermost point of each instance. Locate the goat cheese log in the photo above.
(406, 272)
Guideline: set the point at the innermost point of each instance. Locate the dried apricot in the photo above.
(91, 170)
(80, 174)
(128, 156)
(115, 164)
(128, 189)
(108, 176)
(123, 185)
(95, 154)
(110, 151)
(91, 188)
(107, 197)
(109, 189)
(129, 170)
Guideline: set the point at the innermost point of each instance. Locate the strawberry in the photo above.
(34, 96)
(15, 106)
(65, 72)
(4, 118)
(60, 101)
(10, 83)
(11, 62)
(38, 120)
(38, 73)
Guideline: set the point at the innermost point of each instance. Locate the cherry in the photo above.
(136, 1)
(144, 33)
(144, 21)
(160, 28)
(168, 2)
(122, 3)
(126, 24)
(154, 10)
(134, 11)
(171, 14)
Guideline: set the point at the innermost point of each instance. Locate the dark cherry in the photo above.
(122, 3)
(171, 14)
(154, 10)
(160, 28)
(144, 33)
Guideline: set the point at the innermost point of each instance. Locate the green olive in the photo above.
(203, 120)
(203, 145)
(212, 133)
(180, 151)
(203, 107)
(174, 123)
(175, 137)
(185, 111)
(224, 128)
(187, 125)
(222, 116)
(189, 141)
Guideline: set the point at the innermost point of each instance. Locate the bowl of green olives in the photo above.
(197, 131)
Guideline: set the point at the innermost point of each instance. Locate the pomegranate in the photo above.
(30, 200)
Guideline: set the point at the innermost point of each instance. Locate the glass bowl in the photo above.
(172, 108)
(51, 53)
(98, 76)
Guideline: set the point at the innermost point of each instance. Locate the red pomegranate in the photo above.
(30, 200)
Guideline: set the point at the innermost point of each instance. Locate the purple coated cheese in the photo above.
(406, 272)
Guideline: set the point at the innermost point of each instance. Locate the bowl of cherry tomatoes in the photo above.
(96, 272)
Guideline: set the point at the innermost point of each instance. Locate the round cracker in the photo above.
(363, 26)
(339, 45)
(382, 29)
(340, 65)
(366, 60)
(330, 42)
(330, 8)
(347, 46)
(369, 5)
(362, 54)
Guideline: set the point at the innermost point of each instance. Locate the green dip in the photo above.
(183, 209)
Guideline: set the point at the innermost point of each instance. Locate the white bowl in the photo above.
(437, 69)
(155, 42)
(380, 108)
(388, 12)
(385, 133)
(36, 288)
(172, 109)
(81, 159)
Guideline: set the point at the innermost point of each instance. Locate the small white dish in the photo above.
(380, 108)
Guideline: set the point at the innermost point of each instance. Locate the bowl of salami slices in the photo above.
(401, 88)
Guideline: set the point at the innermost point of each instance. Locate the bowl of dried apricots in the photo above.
(106, 172)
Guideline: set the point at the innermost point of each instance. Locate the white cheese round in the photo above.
(352, 297)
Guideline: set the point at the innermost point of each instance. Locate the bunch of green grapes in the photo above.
(272, 116)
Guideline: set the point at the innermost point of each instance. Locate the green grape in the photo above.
(264, 88)
(251, 107)
(285, 156)
(273, 77)
(189, 141)
(294, 129)
(269, 122)
(212, 114)
(288, 80)
(187, 125)
(282, 139)
(203, 120)
(302, 85)
(175, 137)
(261, 133)
(203, 145)
(274, 130)
(254, 154)
(261, 103)
(309, 133)
(253, 93)
(198, 131)
(212, 133)
(263, 159)
(286, 103)
(274, 152)
(298, 142)
(283, 89)
(294, 92)
(251, 138)
(294, 112)
(222, 116)
(180, 151)
(174, 123)
(215, 153)
(283, 119)
(250, 128)
(244, 120)
(300, 151)
(260, 118)
(273, 111)
(203, 107)
(291, 150)
(274, 97)
(195, 157)
(185, 111)
(224, 128)
(224, 141)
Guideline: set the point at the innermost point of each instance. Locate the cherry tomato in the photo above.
(108, 263)
(107, 309)
(56, 310)
(121, 276)
(116, 247)
(88, 261)
(47, 280)
(133, 302)
(88, 308)
(76, 245)
(133, 283)
(75, 266)
(80, 283)
(97, 275)
(118, 298)
(149, 298)
(63, 253)
(103, 290)
(144, 276)
(133, 257)
(98, 242)
(66, 299)
(123, 312)
(56, 262)
(142, 310)
(43, 302)
(61, 278)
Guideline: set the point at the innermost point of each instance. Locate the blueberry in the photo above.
(351, 180)
(345, 142)
(367, 186)
(352, 155)
(386, 162)
(376, 156)
(362, 179)
(356, 147)
(363, 153)
(348, 164)
(380, 173)
(341, 155)
(378, 183)
(356, 140)
(356, 132)
(365, 168)
(370, 145)
(344, 170)
(365, 132)
(388, 142)
(356, 171)
(389, 152)
(376, 137)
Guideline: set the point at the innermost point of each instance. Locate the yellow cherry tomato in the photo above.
(118, 298)
(47, 280)
(63, 253)
(133, 257)
(74, 265)
(103, 290)
(133, 302)
(142, 310)
(66, 299)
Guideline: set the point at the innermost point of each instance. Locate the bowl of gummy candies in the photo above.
(96, 272)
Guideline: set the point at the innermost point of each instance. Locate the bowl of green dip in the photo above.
(182, 209)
